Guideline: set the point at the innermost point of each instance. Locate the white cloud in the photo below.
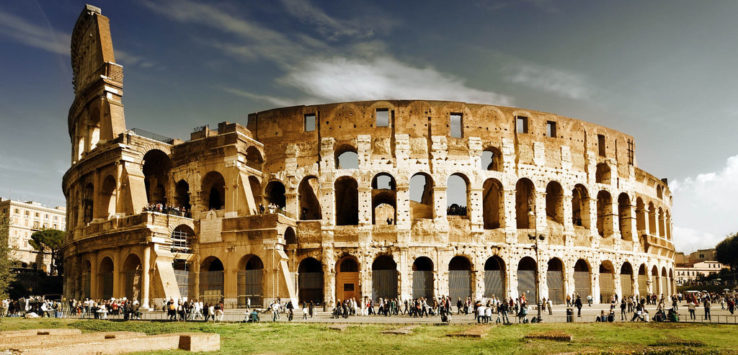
(565, 84)
(347, 79)
(705, 207)
(333, 28)
(278, 101)
(32, 35)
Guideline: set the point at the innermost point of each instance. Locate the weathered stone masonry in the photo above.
(368, 199)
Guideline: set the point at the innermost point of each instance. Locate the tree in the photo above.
(50, 240)
(727, 251)
(7, 276)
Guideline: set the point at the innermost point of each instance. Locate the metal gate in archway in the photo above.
(494, 284)
(582, 284)
(607, 288)
(626, 285)
(459, 284)
(423, 284)
(527, 284)
(555, 283)
(643, 285)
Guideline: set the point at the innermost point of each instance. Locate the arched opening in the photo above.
(582, 279)
(156, 166)
(347, 201)
(421, 196)
(642, 281)
(555, 281)
(457, 195)
(459, 278)
(527, 278)
(274, 192)
(347, 158)
(580, 206)
(213, 191)
(308, 194)
(182, 191)
(347, 279)
(310, 280)
(250, 281)
(555, 202)
(182, 238)
(211, 280)
(651, 219)
(423, 278)
(491, 159)
(494, 278)
(604, 213)
(132, 277)
(88, 205)
(625, 218)
(384, 278)
(384, 199)
(105, 278)
(607, 281)
(626, 280)
(107, 198)
(640, 215)
(253, 158)
(662, 229)
(525, 204)
(290, 239)
(493, 205)
(603, 174)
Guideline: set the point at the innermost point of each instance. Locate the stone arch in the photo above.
(211, 280)
(527, 279)
(346, 157)
(459, 278)
(105, 278)
(491, 159)
(156, 167)
(423, 278)
(421, 196)
(347, 278)
(604, 213)
(107, 198)
(580, 206)
(642, 280)
(555, 202)
(274, 192)
(347, 201)
(384, 277)
(182, 238)
(607, 281)
(525, 204)
(254, 158)
(495, 282)
(655, 284)
(625, 218)
(626, 280)
(308, 192)
(290, 239)
(602, 175)
(182, 195)
(310, 281)
(131, 273)
(456, 203)
(582, 278)
(384, 199)
(555, 280)
(213, 191)
(493, 204)
(250, 281)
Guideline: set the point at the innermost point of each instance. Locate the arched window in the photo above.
(347, 158)
(183, 195)
(107, 198)
(604, 213)
(493, 204)
(213, 191)
(253, 158)
(602, 175)
(88, 197)
(457, 195)
(624, 217)
(421, 196)
(384, 199)
(182, 240)
(347, 201)
(580, 206)
(555, 202)
(289, 236)
(491, 159)
(525, 204)
(156, 166)
(274, 192)
(308, 195)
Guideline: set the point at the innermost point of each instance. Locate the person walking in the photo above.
(691, 307)
(578, 304)
(707, 309)
(622, 309)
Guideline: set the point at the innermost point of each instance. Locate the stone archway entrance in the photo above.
(384, 278)
(347, 279)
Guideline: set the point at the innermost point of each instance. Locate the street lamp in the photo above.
(535, 238)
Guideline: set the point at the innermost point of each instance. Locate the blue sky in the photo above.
(663, 71)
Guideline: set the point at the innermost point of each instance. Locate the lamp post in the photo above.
(535, 238)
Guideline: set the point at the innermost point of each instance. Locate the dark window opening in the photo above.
(601, 144)
(521, 124)
(551, 129)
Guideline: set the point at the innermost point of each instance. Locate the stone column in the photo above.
(618, 289)
(146, 277)
(615, 219)
(478, 276)
(477, 208)
(404, 278)
(542, 279)
(117, 266)
(365, 205)
(541, 222)
(511, 226)
(595, 286)
(568, 218)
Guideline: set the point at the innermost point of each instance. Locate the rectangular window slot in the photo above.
(456, 125)
(521, 124)
(551, 129)
(310, 122)
(601, 144)
(382, 115)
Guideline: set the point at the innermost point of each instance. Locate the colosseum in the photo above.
(357, 200)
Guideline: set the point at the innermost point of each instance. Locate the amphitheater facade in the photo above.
(357, 199)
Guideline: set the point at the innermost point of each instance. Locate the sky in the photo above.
(662, 71)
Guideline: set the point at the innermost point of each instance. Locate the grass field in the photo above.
(281, 338)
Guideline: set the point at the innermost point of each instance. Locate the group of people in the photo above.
(40, 307)
(181, 211)
(190, 310)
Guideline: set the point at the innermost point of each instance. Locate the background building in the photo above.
(26, 218)
(701, 263)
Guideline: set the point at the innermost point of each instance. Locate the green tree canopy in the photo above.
(727, 251)
(50, 240)
(7, 276)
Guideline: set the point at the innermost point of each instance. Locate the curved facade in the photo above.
(358, 199)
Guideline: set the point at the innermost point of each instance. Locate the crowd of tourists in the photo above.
(181, 211)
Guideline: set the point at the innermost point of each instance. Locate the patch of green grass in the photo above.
(282, 338)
